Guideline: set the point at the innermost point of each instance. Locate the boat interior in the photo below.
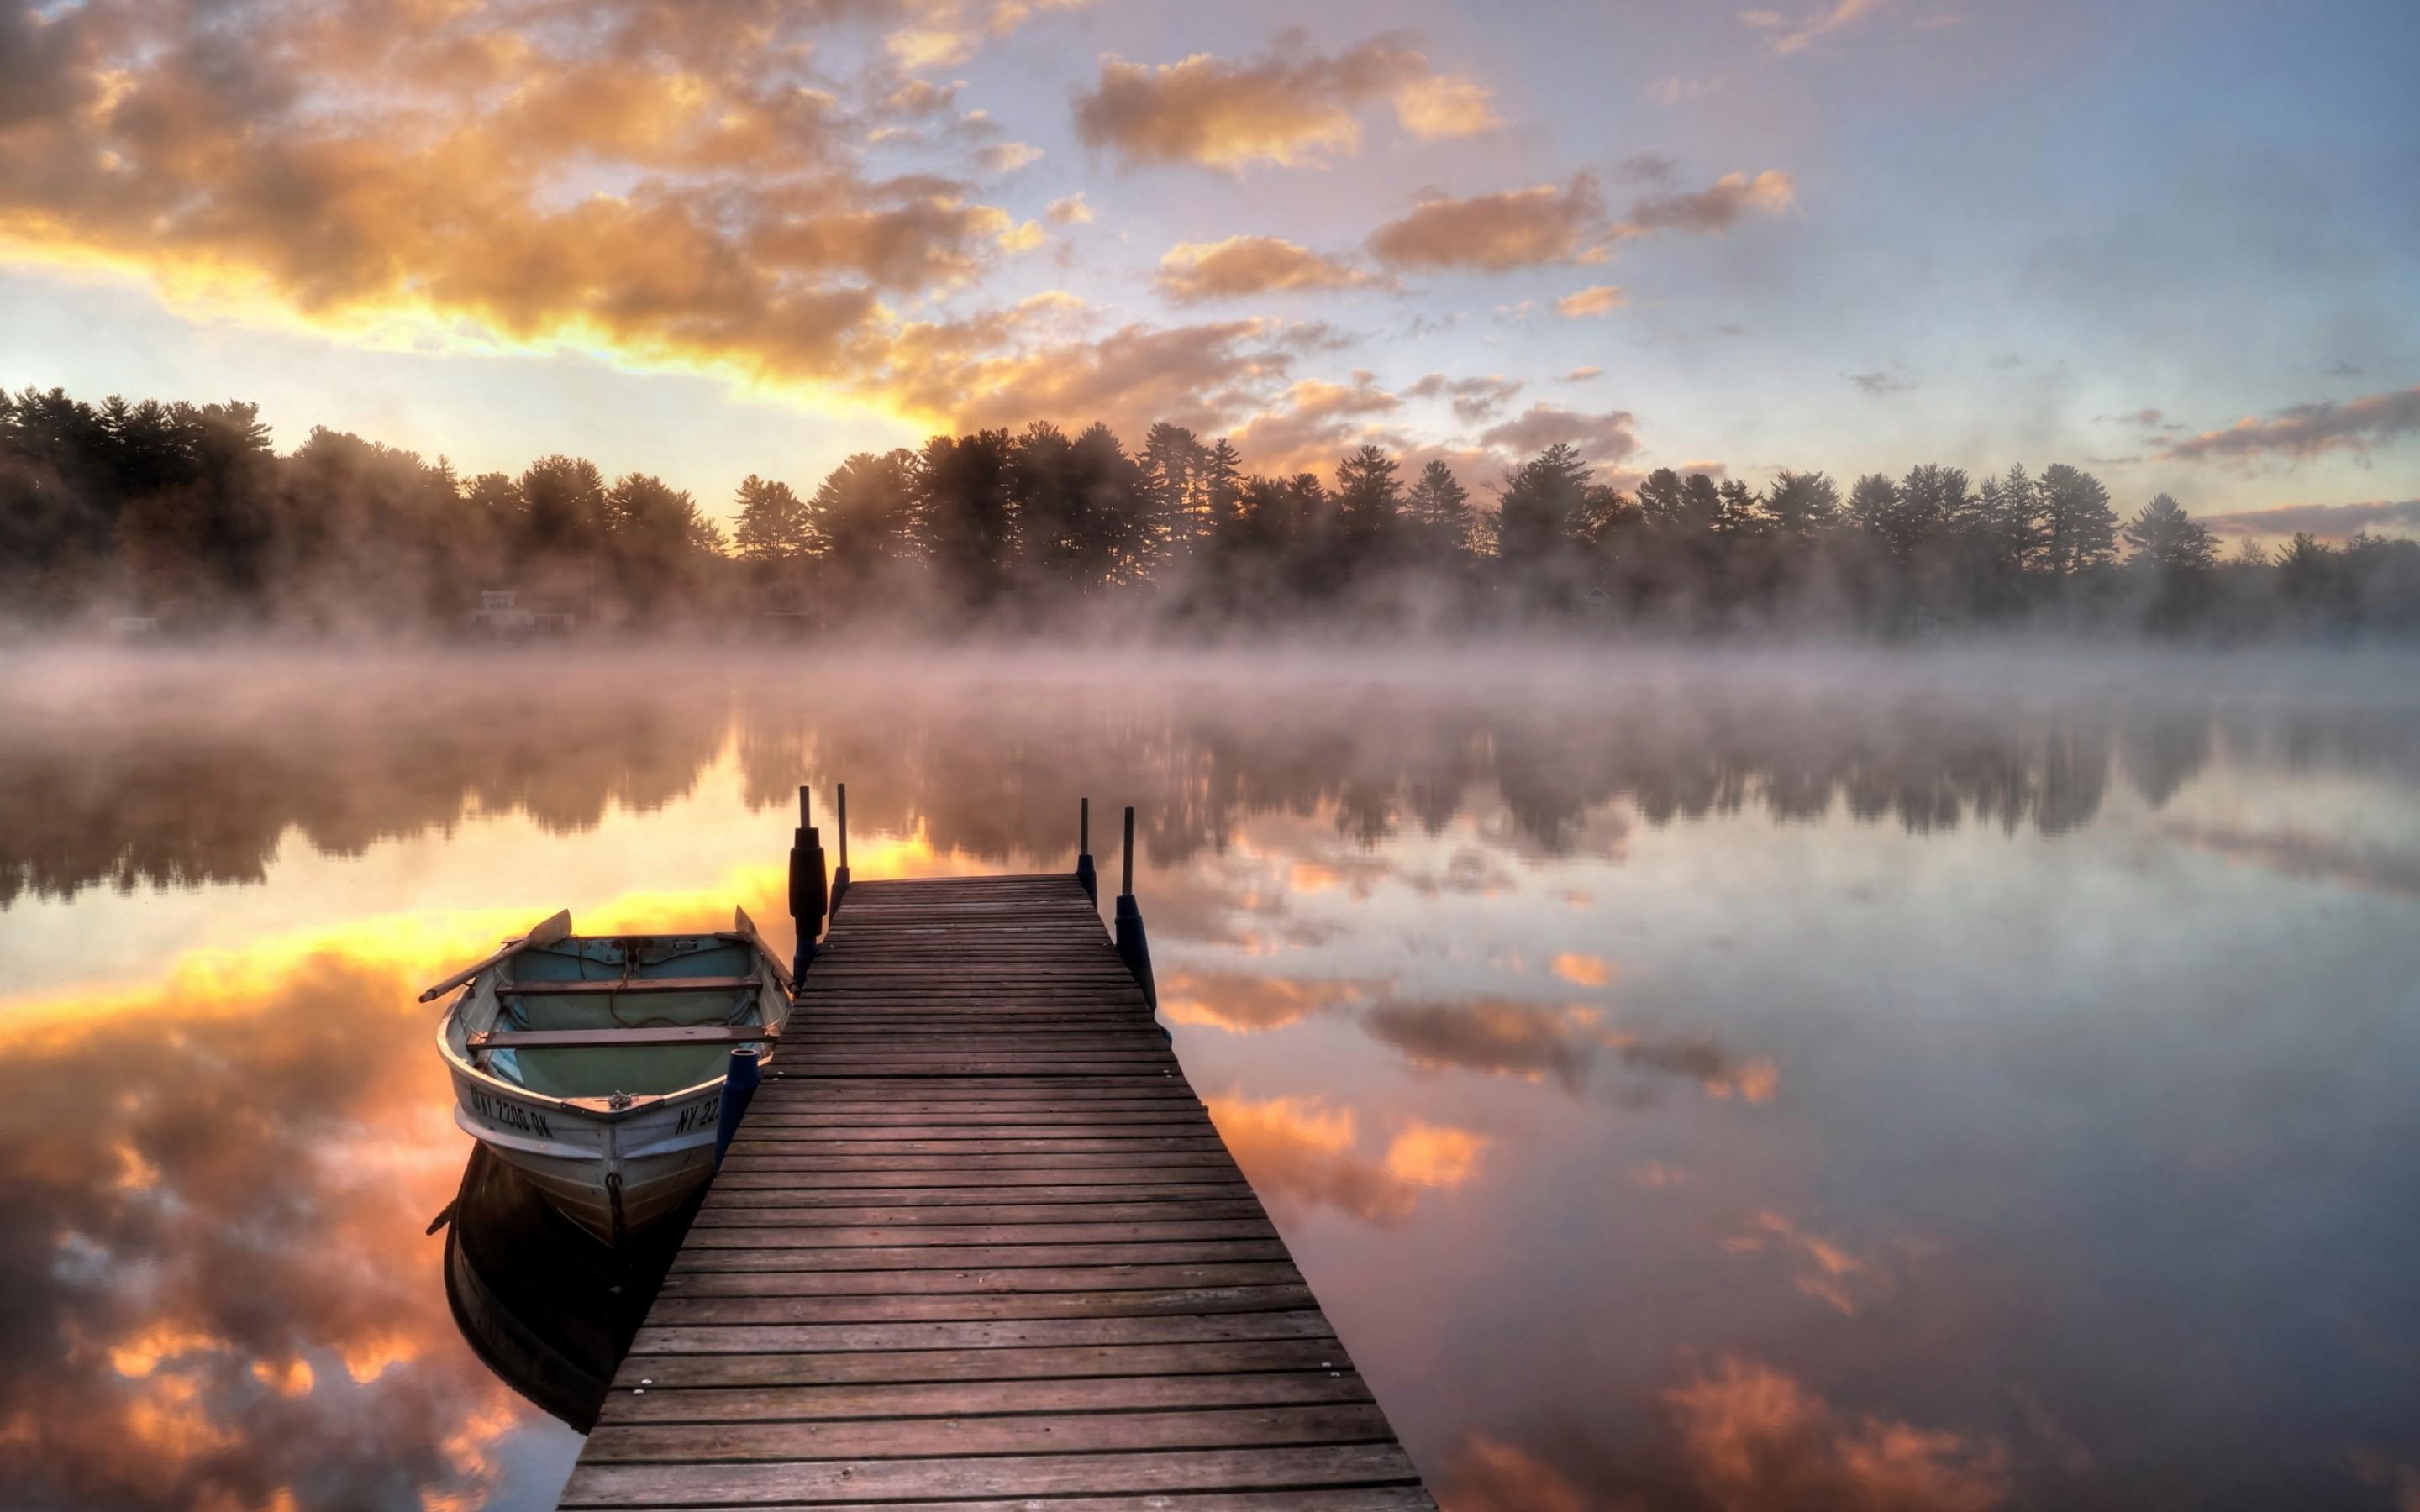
(641, 1014)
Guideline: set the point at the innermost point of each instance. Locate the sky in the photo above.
(2175, 243)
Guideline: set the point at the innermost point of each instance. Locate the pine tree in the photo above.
(2166, 539)
(2078, 529)
(1438, 508)
(772, 523)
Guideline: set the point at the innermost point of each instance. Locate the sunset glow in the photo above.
(706, 241)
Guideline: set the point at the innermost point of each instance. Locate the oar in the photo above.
(546, 934)
(744, 925)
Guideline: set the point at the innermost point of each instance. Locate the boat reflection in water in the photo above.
(548, 1307)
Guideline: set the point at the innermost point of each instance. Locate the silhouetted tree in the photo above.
(967, 504)
(771, 525)
(2078, 528)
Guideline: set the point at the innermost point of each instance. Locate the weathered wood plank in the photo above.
(1348, 1499)
(960, 1280)
(674, 1310)
(1024, 1434)
(1133, 1475)
(723, 1214)
(755, 1372)
(979, 1257)
(777, 1404)
(985, 1333)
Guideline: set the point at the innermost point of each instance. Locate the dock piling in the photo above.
(1084, 872)
(738, 1089)
(840, 822)
(809, 900)
(1133, 948)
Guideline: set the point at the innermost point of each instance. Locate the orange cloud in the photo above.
(1192, 272)
(1245, 1002)
(2305, 431)
(1430, 1154)
(665, 186)
(1301, 1152)
(1497, 232)
(1597, 299)
(1752, 1436)
(1585, 971)
(1486, 1475)
(1605, 438)
(1290, 107)
(1715, 208)
(1547, 224)
(1826, 1271)
(1788, 36)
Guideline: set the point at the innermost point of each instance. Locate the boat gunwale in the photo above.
(599, 1109)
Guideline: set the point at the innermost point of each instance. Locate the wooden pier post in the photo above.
(840, 873)
(738, 1089)
(1084, 874)
(809, 900)
(1133, 948)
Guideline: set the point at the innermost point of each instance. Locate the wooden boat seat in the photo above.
(635, 984)
(618, 1038)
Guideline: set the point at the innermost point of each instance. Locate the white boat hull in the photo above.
(656, 1155)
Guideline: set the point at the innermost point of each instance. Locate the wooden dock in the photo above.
(979, 1247)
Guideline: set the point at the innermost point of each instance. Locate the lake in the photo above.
(1937, 1080)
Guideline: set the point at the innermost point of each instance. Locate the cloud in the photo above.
(1823, 1270)
(1548, 224)
(1245, 1002)
(2144, 419)
(1301, 1152)
(1290, 107)
(1007, 157)
(1039, 361)
(1192, 272)
(1432, 1154)
(2295, 854)
(1787, 35)
(1071, 210)
(2305, 431)
(1581, 375)
(1445, 106)
(1751, 1436)
(350, 175)
(1496, 232)
(1474, 398)
(949, 32)
(1486, 1475)
(1585, 971)
(2327, 521)
(166, 1356)
(1494, 1036)
(1715, 208)
(1604, 438)
(1879, 384)
(1673, 91)
(1308, 427)
(1598, 299)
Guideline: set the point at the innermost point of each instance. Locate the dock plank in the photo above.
(979, 1245)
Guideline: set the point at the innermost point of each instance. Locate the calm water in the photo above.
(1931, 1082)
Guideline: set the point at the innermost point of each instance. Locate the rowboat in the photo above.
(595, 1065)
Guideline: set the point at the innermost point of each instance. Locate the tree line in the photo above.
(188, 513)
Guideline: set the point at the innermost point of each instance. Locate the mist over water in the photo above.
(1689, 1080)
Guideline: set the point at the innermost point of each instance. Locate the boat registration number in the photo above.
(510, 1115)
